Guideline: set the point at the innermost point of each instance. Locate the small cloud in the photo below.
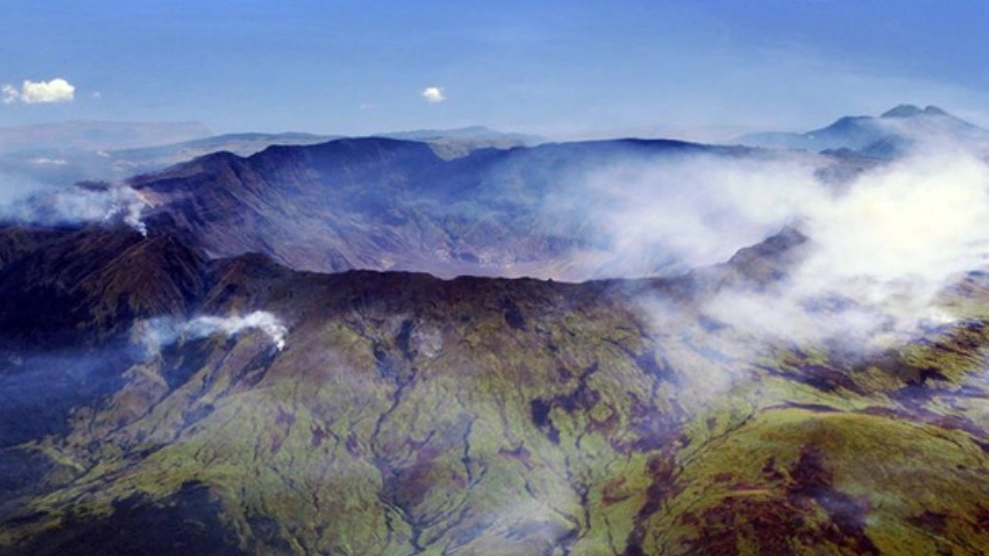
(9, 93)
(34, 92)
(365, 106)
(97, 95)
(433, 94)
(43, 161)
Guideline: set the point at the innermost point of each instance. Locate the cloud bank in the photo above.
(881, 247)
(670, 216)
(36, 92)
(879, 254)
(877, 271)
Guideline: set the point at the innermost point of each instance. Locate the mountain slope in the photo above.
(408, 414)
(384, 204)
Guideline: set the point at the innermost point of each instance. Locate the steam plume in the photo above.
(36, 204)
(880, 250)
(156, 333)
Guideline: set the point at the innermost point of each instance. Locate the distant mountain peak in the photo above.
(883, 137)
(910, 110)
(902, 111)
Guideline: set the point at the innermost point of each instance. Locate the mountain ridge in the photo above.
(884, 137)
(383, 204)
(60, 154)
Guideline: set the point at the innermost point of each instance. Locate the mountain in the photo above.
(447, 142)
(282, 354)
(384, 204)
(146, 159)
(454, 143)
(61, 154)
(884, 137)
(473, 133)
(409, 414)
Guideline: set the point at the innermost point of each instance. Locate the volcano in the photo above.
(293, 360)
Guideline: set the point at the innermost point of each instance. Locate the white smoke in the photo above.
(37, 204)
(231, 326)
(130, 205)
(14, 189)
(879, 251)
(160, 332)
(888, 246)
(882, 250)
(685, 213)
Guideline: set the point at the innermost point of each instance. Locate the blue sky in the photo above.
(555, 68)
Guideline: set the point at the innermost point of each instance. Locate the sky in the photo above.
(560, 69)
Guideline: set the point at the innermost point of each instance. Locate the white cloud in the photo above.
(35, 92)
(434, 94)
(10, 94)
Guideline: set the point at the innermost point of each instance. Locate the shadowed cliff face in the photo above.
(409, 414)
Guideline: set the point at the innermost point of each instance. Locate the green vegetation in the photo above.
(476, 416)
